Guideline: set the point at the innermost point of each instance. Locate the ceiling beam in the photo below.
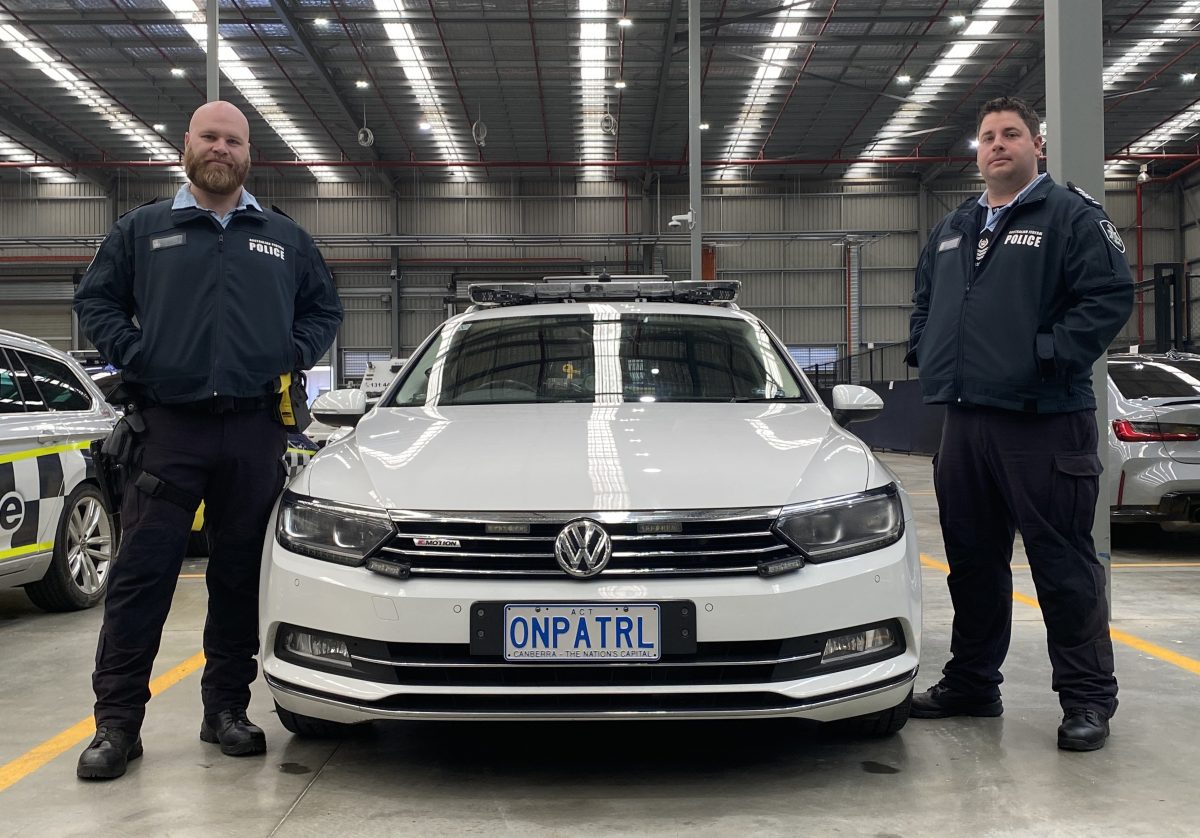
(306, 49)
(32, 139)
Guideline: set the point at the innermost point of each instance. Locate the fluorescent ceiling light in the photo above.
(909, 116)
(178, 72)
(191, 17)
(624, 21)
(597, 140)
(85, 92)
(1180, 20)
(420, 82)
(747, 131)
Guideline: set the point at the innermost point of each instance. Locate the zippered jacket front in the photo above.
(190, 310)
(1021, 327)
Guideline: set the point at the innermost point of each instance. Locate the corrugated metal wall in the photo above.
(798, 287)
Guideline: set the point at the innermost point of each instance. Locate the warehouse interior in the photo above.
(429, 145)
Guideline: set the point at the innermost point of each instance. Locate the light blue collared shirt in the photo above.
(994, 213)
(184, 199)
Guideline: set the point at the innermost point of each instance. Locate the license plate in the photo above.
(586, 633)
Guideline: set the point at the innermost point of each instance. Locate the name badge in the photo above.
(167, 241)
(949, 244)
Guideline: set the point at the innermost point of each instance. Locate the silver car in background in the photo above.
(1153, 465)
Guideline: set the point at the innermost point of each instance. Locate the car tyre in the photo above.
(883, 723)
(84, 546)
(307, 727)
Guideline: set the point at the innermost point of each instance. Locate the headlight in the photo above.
(330, 531)
(835, 528)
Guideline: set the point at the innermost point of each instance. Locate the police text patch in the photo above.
(167, 241)
(1029, 238)
(1110, 233)
(268, 247)
(949, 244)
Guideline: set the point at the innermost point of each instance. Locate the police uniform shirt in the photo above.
(184, 199)
(993, 215)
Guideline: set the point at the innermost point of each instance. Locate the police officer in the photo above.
(227, 297)
(1018, 293)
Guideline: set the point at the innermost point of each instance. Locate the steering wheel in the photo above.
(507, 384)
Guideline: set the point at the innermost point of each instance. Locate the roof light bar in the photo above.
(599, 288)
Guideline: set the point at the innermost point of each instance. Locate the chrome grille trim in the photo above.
(711, 542)
(607, 664)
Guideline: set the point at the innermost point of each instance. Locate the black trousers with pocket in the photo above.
(1000, 471)
(232, 460)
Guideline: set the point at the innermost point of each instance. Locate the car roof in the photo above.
(1161, 357)
(553, 309)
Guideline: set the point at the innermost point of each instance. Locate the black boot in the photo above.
(108, 754)
(939, 702)
(1083, 729)
(237, 735)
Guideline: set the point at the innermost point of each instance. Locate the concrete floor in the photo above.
(954, 777)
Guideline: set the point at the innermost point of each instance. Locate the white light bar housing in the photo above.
(628, 288)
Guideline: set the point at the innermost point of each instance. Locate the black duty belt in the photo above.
(228, 404)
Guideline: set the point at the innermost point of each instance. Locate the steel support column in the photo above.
(694, 152)
(1075, 129)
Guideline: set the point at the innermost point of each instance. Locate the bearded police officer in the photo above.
(203, 302)
(1018, 293)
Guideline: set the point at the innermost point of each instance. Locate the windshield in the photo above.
(604, 356)
(1150, 379)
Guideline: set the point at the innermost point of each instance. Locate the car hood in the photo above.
(581, 457)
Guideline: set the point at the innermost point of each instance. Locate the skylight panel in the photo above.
(190, 15)
(86, 93)
(12, 151)
(1183, 19)
(420, 81)
(897, 130)
(745, 135)
(597, 127)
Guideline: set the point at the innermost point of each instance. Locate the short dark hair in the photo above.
(1010, 103)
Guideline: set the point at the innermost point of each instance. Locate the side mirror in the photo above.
(342, 408)
(853, 403)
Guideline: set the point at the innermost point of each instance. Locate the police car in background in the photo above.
(57, 539)
(590, 499)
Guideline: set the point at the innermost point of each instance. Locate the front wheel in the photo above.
(84, 547)
(882, 723)
(307, 727)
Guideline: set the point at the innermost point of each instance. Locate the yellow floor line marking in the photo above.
(1144, 646)
(75, 735)
(191, 576)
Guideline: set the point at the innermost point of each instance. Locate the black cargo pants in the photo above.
(233, 460)
(1000, 471)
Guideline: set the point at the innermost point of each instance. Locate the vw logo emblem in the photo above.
(583, 548)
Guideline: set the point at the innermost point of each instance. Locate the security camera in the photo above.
(675, 222)
(680, 220)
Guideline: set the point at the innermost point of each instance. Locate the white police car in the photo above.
(594, 500)
(57, 539)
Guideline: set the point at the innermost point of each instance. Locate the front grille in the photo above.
(713, 663)
(733, 541)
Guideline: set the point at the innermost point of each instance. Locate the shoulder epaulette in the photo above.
(139, 206)
(1086, 197)
(281, 212)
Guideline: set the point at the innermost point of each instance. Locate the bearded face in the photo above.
(222, 175)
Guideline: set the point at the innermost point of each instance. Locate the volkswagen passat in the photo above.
(593, 500)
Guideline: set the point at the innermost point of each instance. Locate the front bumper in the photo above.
(879, 587)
